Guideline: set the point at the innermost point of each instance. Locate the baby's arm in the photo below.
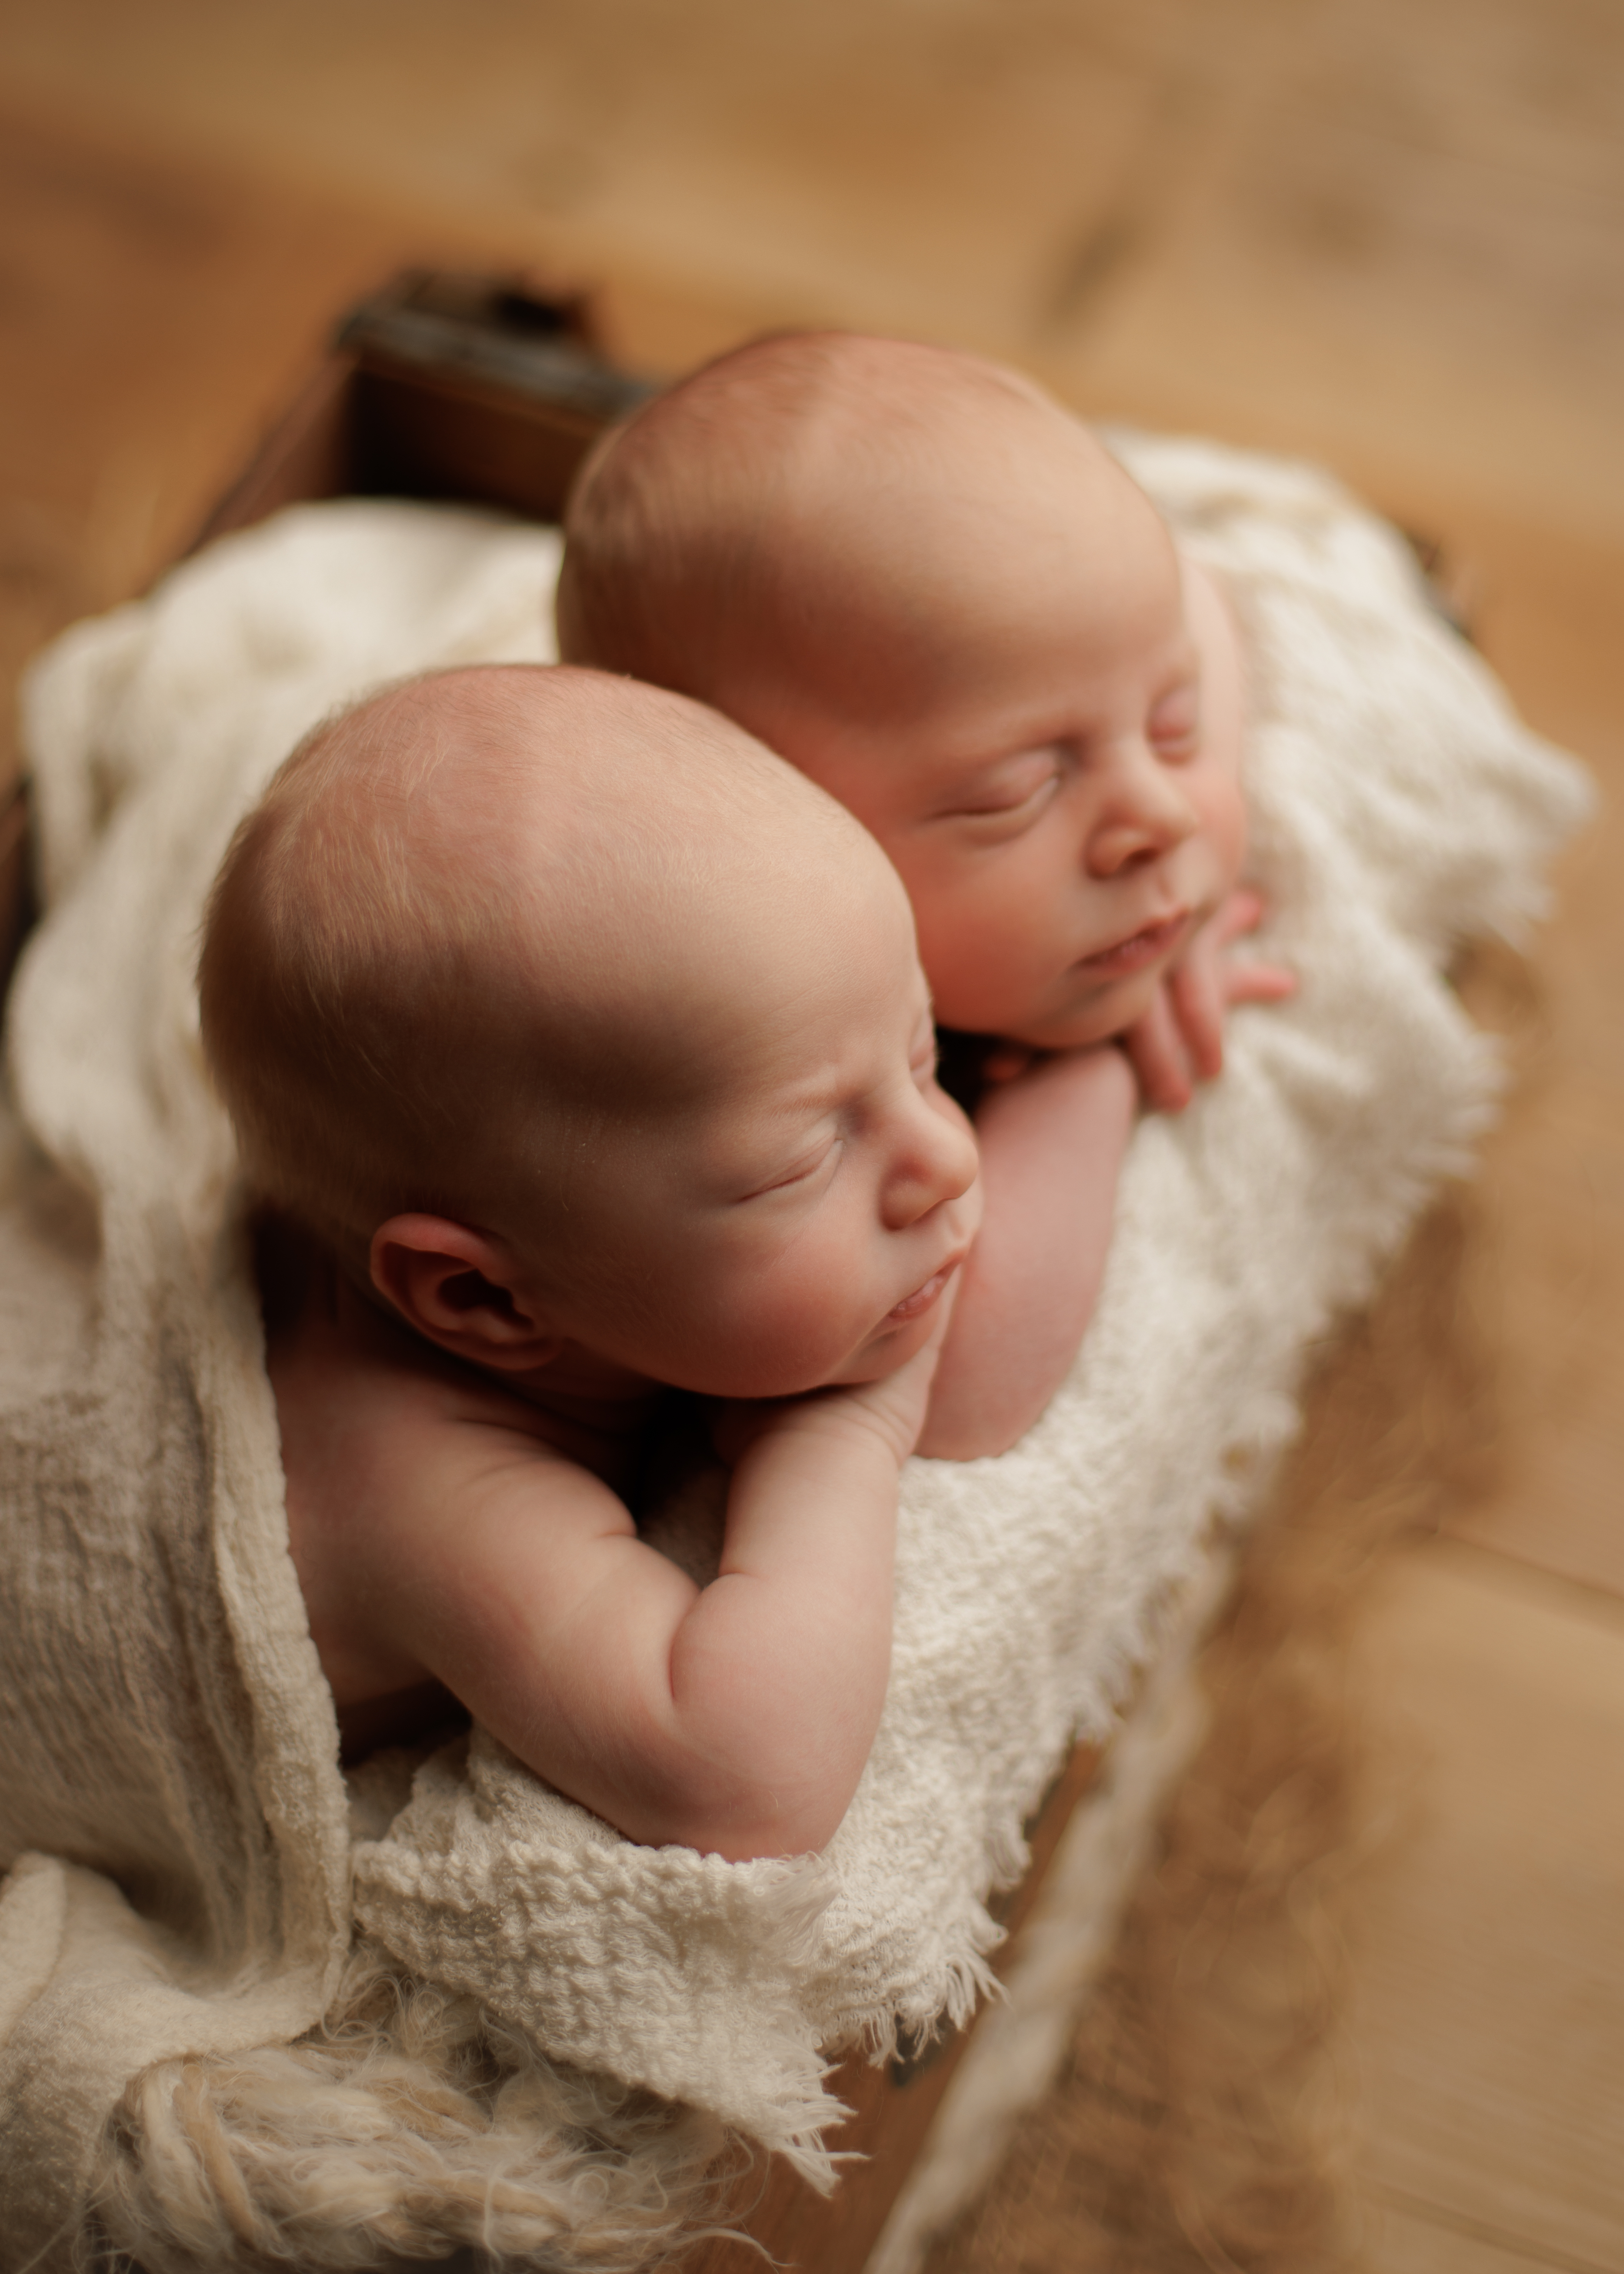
(736, 1718)
(1052, 1142)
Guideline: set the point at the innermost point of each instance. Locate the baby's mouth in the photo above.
(911, 1305)
(1138, 950)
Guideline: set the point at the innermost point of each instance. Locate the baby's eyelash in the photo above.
(996, 805)
(1183, 721)
(802, 1173)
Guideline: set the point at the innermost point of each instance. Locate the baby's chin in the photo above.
(1106, 1014)
(880, 1353)
(885, 1350)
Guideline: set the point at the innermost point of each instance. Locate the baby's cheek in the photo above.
(807, 1324)
(988, 958)
(946, 955)
(1099, 1017)
(1225, 829)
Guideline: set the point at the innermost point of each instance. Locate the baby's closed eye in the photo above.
(925, 1056)
(1174, 727)
(818, 1161)
(1011, 791)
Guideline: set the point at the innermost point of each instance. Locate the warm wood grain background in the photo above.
(1389, 233)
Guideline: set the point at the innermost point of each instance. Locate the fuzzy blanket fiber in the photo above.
(186, 1863)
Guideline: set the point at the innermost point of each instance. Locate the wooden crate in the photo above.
(460, 388)
(441, 385)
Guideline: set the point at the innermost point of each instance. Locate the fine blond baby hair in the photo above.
(714, 526)
(404, 1002)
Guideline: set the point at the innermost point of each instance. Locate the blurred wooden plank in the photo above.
(1391, 233)
(154, 316)
(1400, 2239)
(1400, 246)
(1548, 1279)
(1488, 2019)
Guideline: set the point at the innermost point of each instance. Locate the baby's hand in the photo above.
(1179, 1040)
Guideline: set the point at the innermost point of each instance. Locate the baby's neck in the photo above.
(597, 1407)
(585, 1391)
(593, 1410)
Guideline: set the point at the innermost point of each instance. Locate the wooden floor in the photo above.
(1389, 233)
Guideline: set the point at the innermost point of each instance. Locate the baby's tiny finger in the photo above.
(1198, 992)
(1258, 982)
(1241, 913)
(1156, 1053)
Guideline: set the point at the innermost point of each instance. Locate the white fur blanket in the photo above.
(184, 1875)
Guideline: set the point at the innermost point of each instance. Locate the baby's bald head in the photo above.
(809, 509)
(481, 911)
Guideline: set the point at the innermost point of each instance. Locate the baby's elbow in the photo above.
(757, 1846)
(768, 1744)
(980, 1432)
(749, 1827)
(960, 1443)
(743, 1801)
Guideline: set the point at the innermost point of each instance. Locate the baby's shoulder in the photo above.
(407, 1479)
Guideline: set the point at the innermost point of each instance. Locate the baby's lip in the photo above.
(912, 1306)
(1138, 950)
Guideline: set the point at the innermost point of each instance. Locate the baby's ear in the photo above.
(462, 1290)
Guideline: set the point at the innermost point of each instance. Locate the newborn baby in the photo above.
(918, 578)
(581, 1046)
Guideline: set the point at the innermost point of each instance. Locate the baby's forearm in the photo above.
(734, 1717)
(1052, 1145)
(778, 1672)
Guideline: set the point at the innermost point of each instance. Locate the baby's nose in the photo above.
(940, 1164)
(961, 1158)
(1145, 814)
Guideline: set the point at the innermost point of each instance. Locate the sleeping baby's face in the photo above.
(935, 592)
(1034, 707)
(787, 1205)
